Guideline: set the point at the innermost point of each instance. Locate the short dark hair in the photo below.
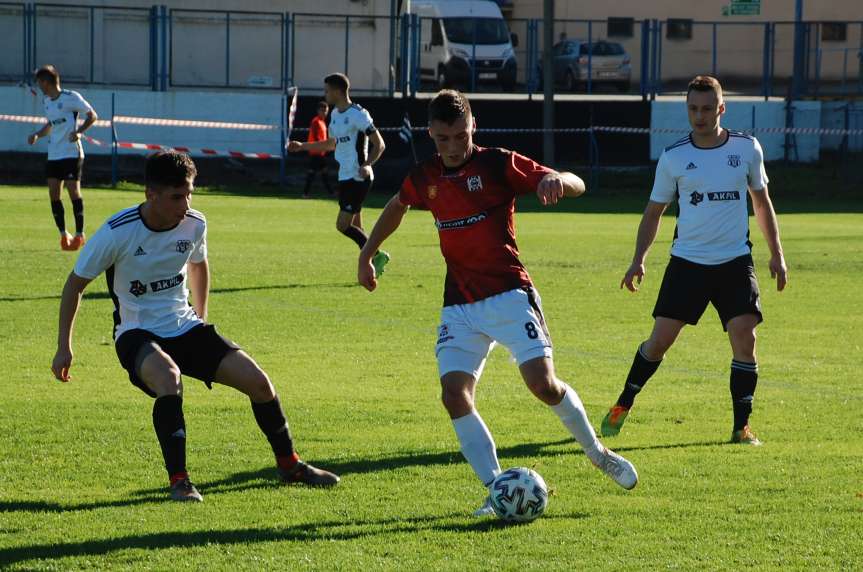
(169, 169)
(48, 73)
(705, 83)
(448, 106)
(338, 81)
(323, 105)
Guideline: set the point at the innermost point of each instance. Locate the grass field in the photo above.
(81, 479)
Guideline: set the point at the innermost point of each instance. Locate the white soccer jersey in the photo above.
(62, 114)
(351, 128)
(146, 270)
(710, 186)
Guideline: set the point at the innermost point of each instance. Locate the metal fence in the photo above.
(163, 48)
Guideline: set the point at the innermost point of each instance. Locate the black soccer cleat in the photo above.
(308, 475)
(184, 491)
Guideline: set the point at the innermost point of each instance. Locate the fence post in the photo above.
(166, 26)
(415, 53)
(391, 69)
(292, 34)
(589, 56)
(659, 58)
(645, 57)
(33, 35)
(765, 61)
(114, 157)
(25, 60)
(282, 142)
(92, 41)
(153, 48)
(472, 65)
(347, 40)
(713, 57)
(227, 49)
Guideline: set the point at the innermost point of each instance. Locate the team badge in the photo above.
(184, 246)
(695, 197)
(474, 184)
(432, 191)
(734, 161)
(137, 289)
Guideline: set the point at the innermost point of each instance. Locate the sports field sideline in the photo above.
(82, 482)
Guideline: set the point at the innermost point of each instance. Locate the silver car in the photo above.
(608, 61)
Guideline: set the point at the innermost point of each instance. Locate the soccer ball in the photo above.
(519, 495)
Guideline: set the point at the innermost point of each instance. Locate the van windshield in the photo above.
(488, 30)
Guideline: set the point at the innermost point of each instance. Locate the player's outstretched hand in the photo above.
(61, 364)
(294, 146)
(32, 139)
(550, 189)
(366, 275)
(636, 271)
(779, 271)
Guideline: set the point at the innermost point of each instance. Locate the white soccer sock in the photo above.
(572, 414)
(477, 446)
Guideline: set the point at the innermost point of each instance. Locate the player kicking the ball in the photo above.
(488, 295)
(149, 253)
(708, 174)
(65, 154)
(351, 128)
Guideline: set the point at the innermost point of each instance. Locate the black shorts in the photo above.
(317, 163)
(687, 287)
(65, 169)
(197, 353)
(352, 193)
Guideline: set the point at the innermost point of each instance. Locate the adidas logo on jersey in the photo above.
(140, 252)
(691, 166)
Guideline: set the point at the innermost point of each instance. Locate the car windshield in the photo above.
(488, 30)
(603, 49)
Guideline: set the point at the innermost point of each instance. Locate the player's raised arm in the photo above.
(387, 223)
(647, 230)
(325, 145)
(69, 303)
(555, 186)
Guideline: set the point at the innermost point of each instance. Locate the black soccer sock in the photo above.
(171, 431)
(357, 235)
(642, 369)
(78, 211)
(744, 378)
(271, 420)
(59, 215)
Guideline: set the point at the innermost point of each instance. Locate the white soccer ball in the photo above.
(519, 495)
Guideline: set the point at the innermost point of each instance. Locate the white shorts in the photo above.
(468, 332)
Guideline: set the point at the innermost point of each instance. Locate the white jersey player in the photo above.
(63, 108)
(709, 174)
(153, 255)
(351, 130)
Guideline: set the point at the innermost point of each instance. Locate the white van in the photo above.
(461, 37)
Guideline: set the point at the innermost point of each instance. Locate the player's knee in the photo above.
(261, 388)
(657, 345)
(456, 400)
(342, 225)
(166, 381)
(545, 388)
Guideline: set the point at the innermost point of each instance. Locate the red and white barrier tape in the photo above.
(207, 152)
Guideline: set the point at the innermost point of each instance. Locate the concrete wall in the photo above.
(671, 114)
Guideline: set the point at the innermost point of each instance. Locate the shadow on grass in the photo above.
(338, 530)
(105, 295)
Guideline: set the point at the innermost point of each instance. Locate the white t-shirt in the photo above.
(710, 186)
(146, 270)
(351, 128)
(62, 114)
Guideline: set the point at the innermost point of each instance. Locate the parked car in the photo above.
(609, 64)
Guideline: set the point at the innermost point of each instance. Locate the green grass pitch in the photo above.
(82, 484)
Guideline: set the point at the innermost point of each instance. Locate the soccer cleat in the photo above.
(486, 508)
(308, 475)
(745, 436)
(78, 241)
(619, 469)
(66, 241)
(379, 261)
(184, 491)
(613, 421)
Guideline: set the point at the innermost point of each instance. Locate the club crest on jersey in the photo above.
(695, 197)
(184, 246)
(474, 184)
(432, 191)
(734, 161)
(137, 288)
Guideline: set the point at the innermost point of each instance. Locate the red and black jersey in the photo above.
(473, 207)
